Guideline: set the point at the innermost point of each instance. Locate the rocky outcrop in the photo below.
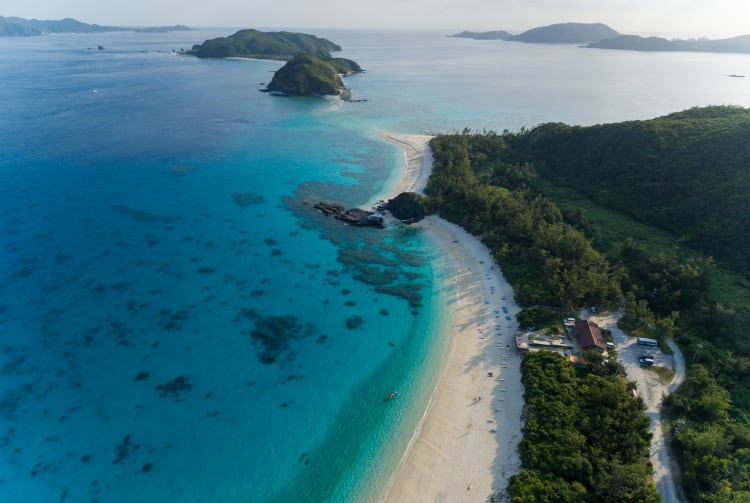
(409, 207)
(353, 216)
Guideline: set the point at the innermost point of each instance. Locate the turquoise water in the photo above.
(177, 323)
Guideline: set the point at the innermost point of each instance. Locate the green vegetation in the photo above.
(549, 262)
(685, 173)
(585, 436)
(647, 214)
(282, 45)
(310, 70)
(308, 75)
(714, 446)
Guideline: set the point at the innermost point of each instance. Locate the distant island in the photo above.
(163, 29)
(310, 69)
(740, 44)
(601, 36)
(20, 27)
(485, 35)
(561, 33)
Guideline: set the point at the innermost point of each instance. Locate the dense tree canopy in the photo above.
(307, 75)
(687, 173)
(585, 436)
(549, 261)
(281, 45)
(652, 214)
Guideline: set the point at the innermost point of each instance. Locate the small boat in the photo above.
(392, 394)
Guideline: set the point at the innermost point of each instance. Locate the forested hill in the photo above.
(19, 27)
(687, 173)
(525, 194)
(309, 75)
(282, 45)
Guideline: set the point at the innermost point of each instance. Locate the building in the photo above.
(588, 336)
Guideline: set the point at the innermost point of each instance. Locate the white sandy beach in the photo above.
(465, 448)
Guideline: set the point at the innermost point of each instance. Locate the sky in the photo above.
(668, 18)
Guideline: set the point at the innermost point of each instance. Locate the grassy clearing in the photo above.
(665, 375)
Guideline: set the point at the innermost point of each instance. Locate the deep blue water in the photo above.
(173, 313)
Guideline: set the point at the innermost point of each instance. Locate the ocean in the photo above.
(177, 322)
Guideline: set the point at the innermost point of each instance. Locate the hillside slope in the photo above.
(687, 173)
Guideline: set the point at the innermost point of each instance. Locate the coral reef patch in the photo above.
(354, 322)
(273, 335)
(174, 387)
(245, 199)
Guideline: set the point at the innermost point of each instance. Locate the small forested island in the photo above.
(601, 36)
(280, 45)
(20, 27)
(309, 75)
(645, 216)
(310, 69)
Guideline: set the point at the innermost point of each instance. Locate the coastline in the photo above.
(465, 447)
(415, 170)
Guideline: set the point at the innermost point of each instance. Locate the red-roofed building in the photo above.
(589, 336)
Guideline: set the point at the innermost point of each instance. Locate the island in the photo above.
(280, 45)
(739, 44)
(310, 69)
(601, 36)
(20, 27)
(567, 33)
(485, 35)
(560, 33)
(309, 75)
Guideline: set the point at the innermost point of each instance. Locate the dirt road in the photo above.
(652, 388)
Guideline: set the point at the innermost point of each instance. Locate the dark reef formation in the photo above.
(174, 387)
(353, 216)
(275, 335)
(245, 199)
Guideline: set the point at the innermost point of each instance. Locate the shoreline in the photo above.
(416, 168)
(465, 446)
